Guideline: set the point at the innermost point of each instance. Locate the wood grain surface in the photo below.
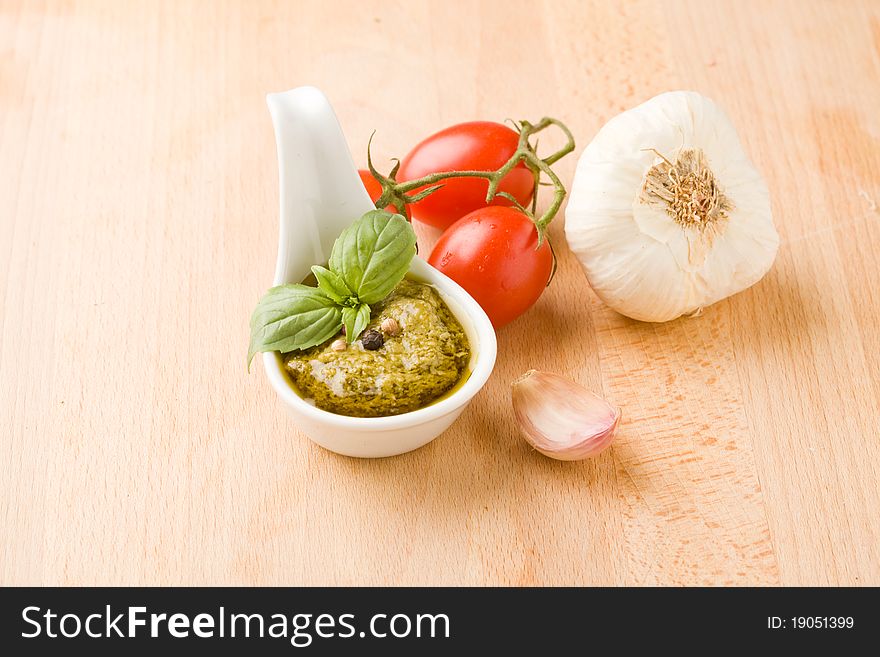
(138, 214)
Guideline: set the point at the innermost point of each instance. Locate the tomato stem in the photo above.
(398, 193)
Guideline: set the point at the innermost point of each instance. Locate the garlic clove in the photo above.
(562, 419)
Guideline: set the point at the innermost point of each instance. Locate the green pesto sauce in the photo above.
(425, 360)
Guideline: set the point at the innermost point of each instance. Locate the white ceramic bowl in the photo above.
(321, 194)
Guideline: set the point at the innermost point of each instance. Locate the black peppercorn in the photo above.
(372, 340)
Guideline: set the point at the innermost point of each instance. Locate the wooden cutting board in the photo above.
(138, 211)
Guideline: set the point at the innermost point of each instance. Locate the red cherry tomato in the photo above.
(476, 146)
(491, 253)
(374, 189)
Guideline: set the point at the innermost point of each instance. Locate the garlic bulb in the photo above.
(667, 214)
(562, 419)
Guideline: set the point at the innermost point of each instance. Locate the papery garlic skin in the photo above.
(654, 259)
(562, 419)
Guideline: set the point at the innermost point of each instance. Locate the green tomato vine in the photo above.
(400, 194)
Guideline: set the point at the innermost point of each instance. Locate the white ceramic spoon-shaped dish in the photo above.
(322, 194)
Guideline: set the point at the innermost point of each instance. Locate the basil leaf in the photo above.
(355, 320)
(331, 284)
(293, 317)
(373, 254)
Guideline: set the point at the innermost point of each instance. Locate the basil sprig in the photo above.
(367, 261)
(373, 254)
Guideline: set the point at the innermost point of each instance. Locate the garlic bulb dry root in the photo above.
(562, 419)
(667, 214)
